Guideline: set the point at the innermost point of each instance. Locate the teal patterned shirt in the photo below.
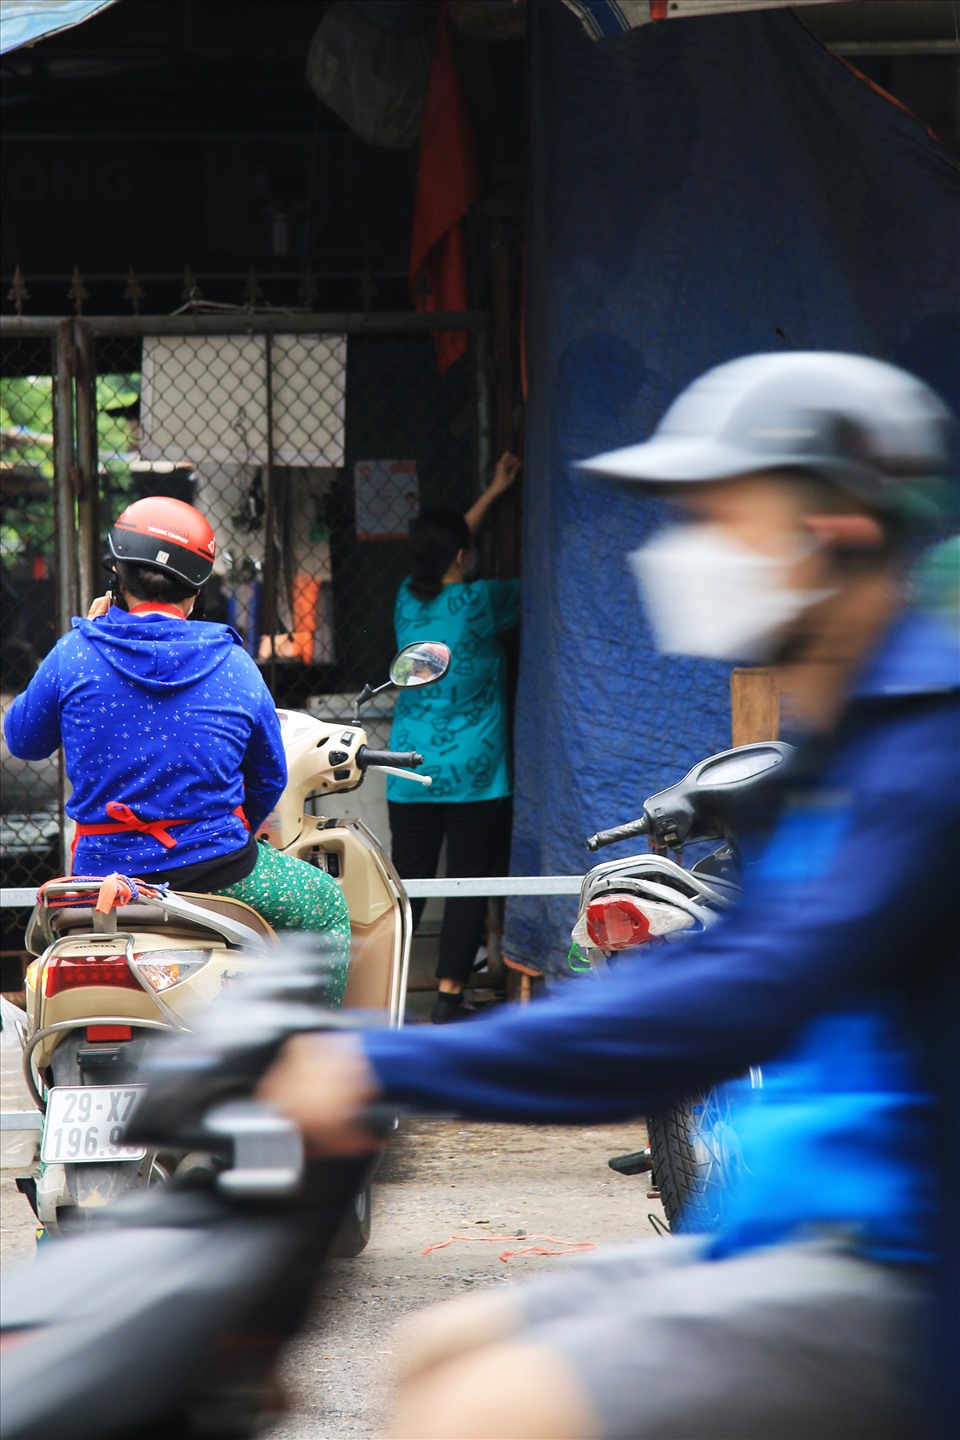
(458, 724)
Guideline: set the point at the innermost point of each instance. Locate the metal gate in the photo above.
(308, 440)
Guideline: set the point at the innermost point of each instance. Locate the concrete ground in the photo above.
(440, 1179)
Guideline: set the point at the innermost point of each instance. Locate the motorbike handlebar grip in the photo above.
(619, 832)
(403, 760)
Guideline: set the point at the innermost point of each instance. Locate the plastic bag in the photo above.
(374, 79)
(18, 1148)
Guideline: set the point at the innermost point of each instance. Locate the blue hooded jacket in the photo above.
(839, 963)
(169, 717)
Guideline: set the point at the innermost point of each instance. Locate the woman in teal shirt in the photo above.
(460, 725)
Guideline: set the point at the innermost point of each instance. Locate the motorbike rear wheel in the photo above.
(697, 1157)
(354, 1233)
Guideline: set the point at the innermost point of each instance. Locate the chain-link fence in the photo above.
(308, 442)
(309, 454)
(29, 793)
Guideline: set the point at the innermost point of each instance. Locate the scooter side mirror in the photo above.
(737, 767)
(420, 664)
(704, 803)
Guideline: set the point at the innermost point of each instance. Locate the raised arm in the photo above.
(503, 477)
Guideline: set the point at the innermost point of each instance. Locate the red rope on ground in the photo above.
(570, 1247)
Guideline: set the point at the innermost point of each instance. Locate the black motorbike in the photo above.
(168, 1318)
(694, 1152)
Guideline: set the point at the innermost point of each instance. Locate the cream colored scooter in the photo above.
(116, 965)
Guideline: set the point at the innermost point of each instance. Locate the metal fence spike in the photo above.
(18, 291)
(252, 293)
(78, 291)
(308, 291)
(191, 289)
(367, 290)
(134, 291)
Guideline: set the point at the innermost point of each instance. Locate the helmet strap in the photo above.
(114, 591)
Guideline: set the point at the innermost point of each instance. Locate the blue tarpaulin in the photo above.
(24, 22)
(699, 191)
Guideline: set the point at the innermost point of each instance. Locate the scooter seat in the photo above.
(129, 917)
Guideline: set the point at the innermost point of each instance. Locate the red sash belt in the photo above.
(127, 822)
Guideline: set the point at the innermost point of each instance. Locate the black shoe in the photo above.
(636, 1163)
(450, 1008)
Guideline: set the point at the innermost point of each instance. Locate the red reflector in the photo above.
(73, 972)
(9, 1338)
(109, 1032)
(615, 922)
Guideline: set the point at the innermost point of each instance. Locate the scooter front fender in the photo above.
(380, 920)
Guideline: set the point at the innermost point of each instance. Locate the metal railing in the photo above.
(445, 888)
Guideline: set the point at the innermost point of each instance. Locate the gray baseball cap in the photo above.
(871, 428)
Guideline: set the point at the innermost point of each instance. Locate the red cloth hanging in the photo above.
(448, 183)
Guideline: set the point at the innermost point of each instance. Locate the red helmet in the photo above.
(165, 534)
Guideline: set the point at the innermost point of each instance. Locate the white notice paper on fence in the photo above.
(387, 498)
(205, 398)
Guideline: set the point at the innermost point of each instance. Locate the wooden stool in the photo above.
(528, 977)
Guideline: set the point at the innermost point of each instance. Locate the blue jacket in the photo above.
(842, 951)
(170, 717)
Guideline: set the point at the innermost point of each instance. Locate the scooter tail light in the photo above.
(163, 968)
(74, 972)
(616, 922)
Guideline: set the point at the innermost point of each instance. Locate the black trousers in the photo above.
(477, 833)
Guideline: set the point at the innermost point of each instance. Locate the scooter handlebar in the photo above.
(619, 832)
(399, 759)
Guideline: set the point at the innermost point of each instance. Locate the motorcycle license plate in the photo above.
(85, 1124)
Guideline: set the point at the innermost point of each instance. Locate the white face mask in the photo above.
(706, 594)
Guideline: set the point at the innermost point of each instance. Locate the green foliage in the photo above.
(26, 437)
(27, 428)
(26, 419)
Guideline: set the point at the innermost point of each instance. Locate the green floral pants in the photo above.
(292, 895)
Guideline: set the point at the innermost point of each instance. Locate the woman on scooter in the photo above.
(170, 736)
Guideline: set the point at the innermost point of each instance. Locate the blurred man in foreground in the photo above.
(806, 480)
